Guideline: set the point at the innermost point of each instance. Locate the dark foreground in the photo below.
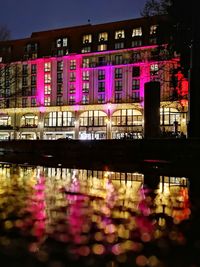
(166, 155)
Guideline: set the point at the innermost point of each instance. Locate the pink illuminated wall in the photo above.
(40, 83)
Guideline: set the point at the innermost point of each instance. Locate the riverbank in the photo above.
(180, 154)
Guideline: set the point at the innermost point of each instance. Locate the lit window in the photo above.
(101, 98)
(153, 29)
(47, 66)
(86, 75)
(72, 76)
(118, 85)
(101, 74)
(118, 73)
(102, 47)
(85, 99)
(85, 87)
(47, 78)
(47, 89)
(136, 84)
(61, 42)
(137, 32)
(119, 34)
(72, 64)
(119, 45)
(71, 99)
(154, 69)
(60, 65)
(87, 38)
(86, 49)
(47, 101)
(86, 62)
(103, 36)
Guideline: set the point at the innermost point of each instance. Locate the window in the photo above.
(72, 64)
(103, 36)
(72, 76)
(59, 77)
(61, 42)
(136, 56)
(119, 34)
(102, 61)
(85, 88)
(118, 97)
(86, 62)
(101, 98)
(137, 32)
(87, 38)
(59, 89)
(47, 78)
(101, 87)
(119, 45)
(24, 102)
(135, 84)
(59, 119)
(85, 99)
(24, 81)
(153, 40)
(31, 47)
(33, 102)
(136, 96)
(118, 85)
(71, 99)
(33, 80)
(47, 66)
(24, 70)
(154, 69)
(118, 59)
(136, 43)
(118, 73)
(60, 65)
(102, 47)
(101, 74)
(136, 72)
(47, 89)
(153, 29)
(47, 101)
(33, 90)
(59, 100)
(33, 69)
(85, 75)
(86, 49)
(72, 88)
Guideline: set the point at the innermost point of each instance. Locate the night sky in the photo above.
(23, 17)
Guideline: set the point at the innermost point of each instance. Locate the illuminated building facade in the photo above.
(87, 82)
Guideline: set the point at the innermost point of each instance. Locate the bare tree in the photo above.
(4, 33)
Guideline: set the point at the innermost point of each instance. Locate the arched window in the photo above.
(29, 120)
(169, 115)
(127, 117)
(93, 118)
(59, 119)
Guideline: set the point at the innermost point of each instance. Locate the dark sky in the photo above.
(23, 17)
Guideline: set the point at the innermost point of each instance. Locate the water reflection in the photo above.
(57, 216)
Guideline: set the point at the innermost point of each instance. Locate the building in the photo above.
(87, 82)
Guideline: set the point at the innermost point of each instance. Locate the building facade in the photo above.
(87, 82)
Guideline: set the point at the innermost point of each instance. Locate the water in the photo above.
(61, 217)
